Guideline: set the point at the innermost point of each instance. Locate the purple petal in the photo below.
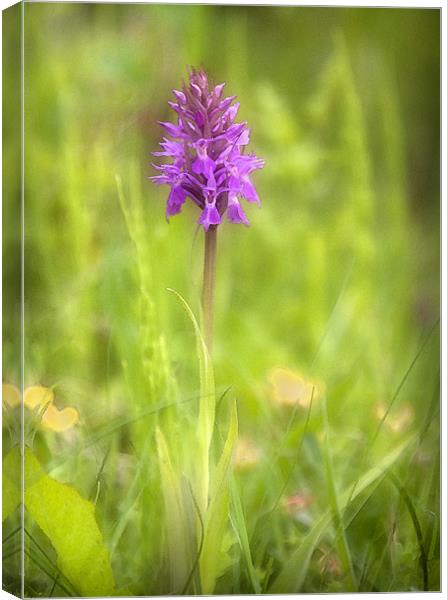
(174, 149)
(244, 138)
(232, 133)
(223, 155)
(225, 103)
(175, 201)
(220, 177)
(249, 191)
(245, 164)
(191, 126)
(159, 179)
(195, 89)
(210, 216)
(180, 96)
(218, 90)
(232, 112)
(216, 127)
(173, 130)
(211, 183)
(175, 107)
(235, 212)
(199, 119)
(203, 166)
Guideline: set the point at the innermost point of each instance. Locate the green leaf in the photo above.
(68, 520)
(205, 425)
(240, 530)
(12, 467)
(292, 575)
(177, 535)
(213, 553)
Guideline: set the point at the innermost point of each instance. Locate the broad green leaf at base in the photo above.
(68, 520)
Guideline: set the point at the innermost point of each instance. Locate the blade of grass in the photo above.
(240, 529)
(417, 528)
(11, 534)
(291, 577)
(50, 562)
(218, 510)
(394, 397)
(53, 587)
(48, 574)
(15, 551)
(434, 539)
(404, 379)
(135, 490)
(333, 312)
(342, 542)
(98, 476)
(205, 425)
(202, 537)
(179, 563)
(297, 456)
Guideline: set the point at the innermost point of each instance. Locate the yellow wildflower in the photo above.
(38, 396)
(10, 395)
(291, 388)
(59, 420)
(41, 399)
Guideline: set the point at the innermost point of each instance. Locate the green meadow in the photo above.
(304, 455)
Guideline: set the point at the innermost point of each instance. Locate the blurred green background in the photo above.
(336, 280)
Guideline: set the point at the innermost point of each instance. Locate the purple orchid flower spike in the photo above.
(207, 148)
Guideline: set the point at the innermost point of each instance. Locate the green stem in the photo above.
(341, 539)
(209, 269)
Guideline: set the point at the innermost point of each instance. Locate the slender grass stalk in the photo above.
(341, 539)
(209, 271)
(423, 558)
